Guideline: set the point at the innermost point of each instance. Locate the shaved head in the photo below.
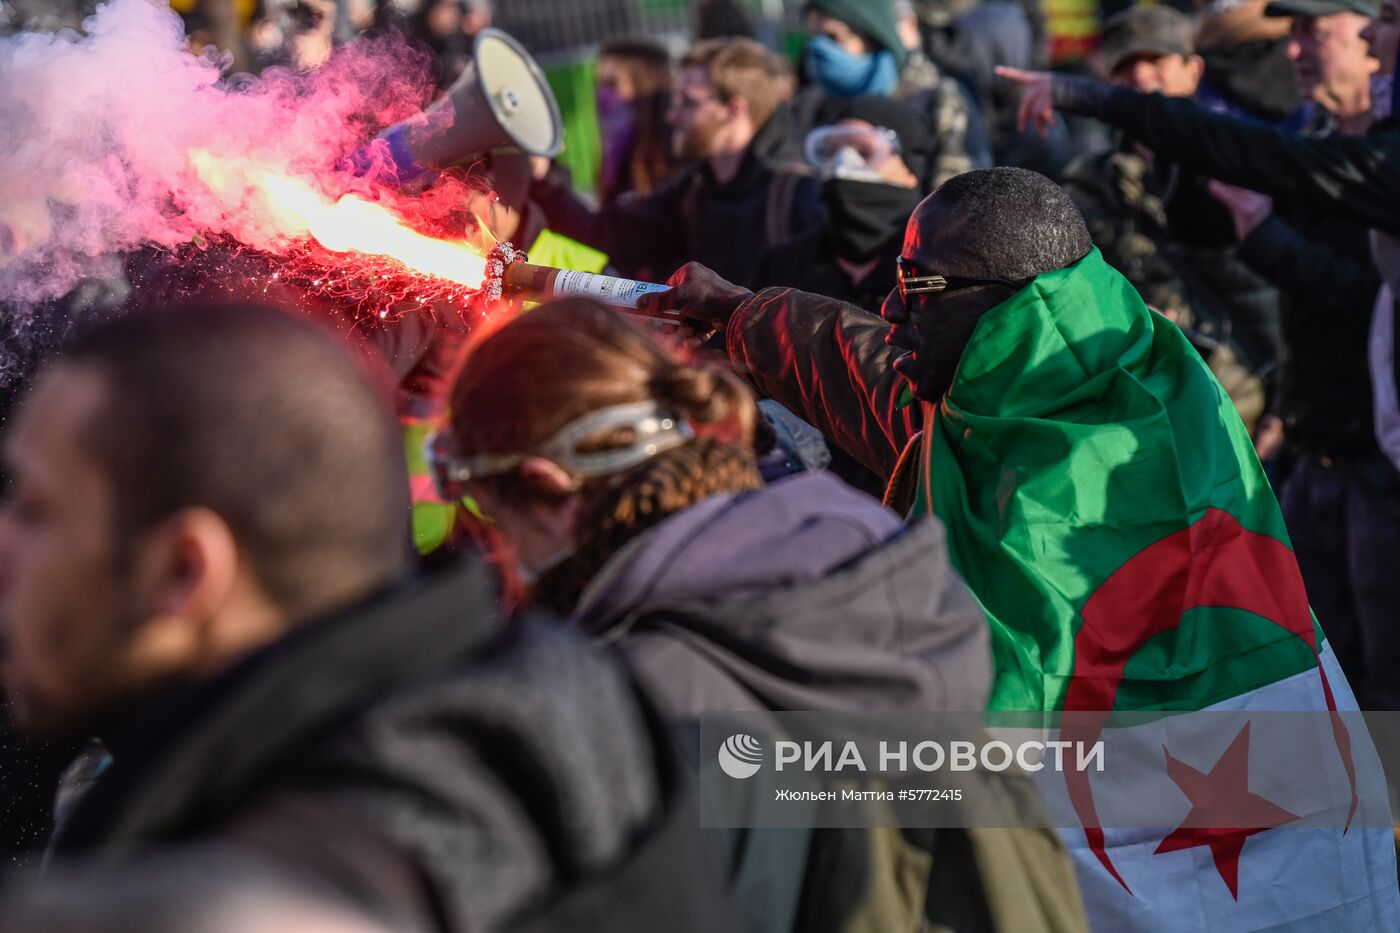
(1005, 224)
(185, 485)
(1010, 223)
(268, 420)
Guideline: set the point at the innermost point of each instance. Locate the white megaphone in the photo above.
(502, 100)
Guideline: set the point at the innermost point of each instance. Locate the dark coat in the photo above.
(827, 362)
(1354, 177)
(1327, 286)
(428, 758)
(804, 595)
(808, 262)
(692, 216)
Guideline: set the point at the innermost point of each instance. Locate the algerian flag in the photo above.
(1105, 506)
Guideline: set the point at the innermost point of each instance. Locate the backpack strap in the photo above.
(782, 195)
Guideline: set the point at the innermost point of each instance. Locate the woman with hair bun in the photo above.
(621, 472)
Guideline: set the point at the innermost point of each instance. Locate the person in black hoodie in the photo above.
(625, 487)
(206, 560)
(746, 184)
(873, 163)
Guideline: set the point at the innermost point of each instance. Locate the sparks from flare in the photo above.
(350, 225)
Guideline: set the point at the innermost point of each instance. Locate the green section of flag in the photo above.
(1080, 429)
(1217, 652)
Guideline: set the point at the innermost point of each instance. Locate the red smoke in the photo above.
(124, 139)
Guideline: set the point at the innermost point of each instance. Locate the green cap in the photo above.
(1367, 8)
(873, 19)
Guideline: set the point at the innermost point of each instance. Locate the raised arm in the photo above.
(1356, 176)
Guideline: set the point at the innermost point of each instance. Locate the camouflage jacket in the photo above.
(1193, 276)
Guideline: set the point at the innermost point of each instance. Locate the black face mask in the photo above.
(864, 216)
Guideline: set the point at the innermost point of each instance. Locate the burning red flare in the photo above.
(363, 231)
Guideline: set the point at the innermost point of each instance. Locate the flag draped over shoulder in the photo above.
(1105, 506)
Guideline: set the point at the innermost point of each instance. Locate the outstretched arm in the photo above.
(822, 359)
(1355, 176)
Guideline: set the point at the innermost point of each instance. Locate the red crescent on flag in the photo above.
(1215, 562)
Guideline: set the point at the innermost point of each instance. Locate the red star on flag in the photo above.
(1221, 797)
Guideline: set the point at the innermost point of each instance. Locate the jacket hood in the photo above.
(804, 595)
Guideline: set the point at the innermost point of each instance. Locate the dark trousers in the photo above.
(1344, 519)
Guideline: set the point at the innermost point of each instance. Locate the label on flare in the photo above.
(614, 291)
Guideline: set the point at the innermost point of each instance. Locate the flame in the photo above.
(350, 224)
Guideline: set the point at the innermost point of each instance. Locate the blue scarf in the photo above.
(841, 74)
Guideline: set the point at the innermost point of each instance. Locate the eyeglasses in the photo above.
(912, 283)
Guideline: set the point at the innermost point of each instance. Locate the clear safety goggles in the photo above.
(654, 430)
(852, 152)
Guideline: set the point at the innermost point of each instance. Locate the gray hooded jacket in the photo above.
(807, 595)
(804, 595)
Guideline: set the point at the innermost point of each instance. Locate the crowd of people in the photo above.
(998, 389)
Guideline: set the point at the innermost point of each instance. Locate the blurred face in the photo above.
(932, 330)
(820, 24)
(1382, 36)
(1168, 75)
(445, 18)
(698, 119)
(1331, 58)
(613, 77)
(478, 17)
(67, 608)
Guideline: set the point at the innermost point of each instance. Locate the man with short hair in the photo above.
(747, 188)
(1105, 507)
(204, 560)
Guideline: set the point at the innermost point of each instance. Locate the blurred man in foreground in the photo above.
(205, 559)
